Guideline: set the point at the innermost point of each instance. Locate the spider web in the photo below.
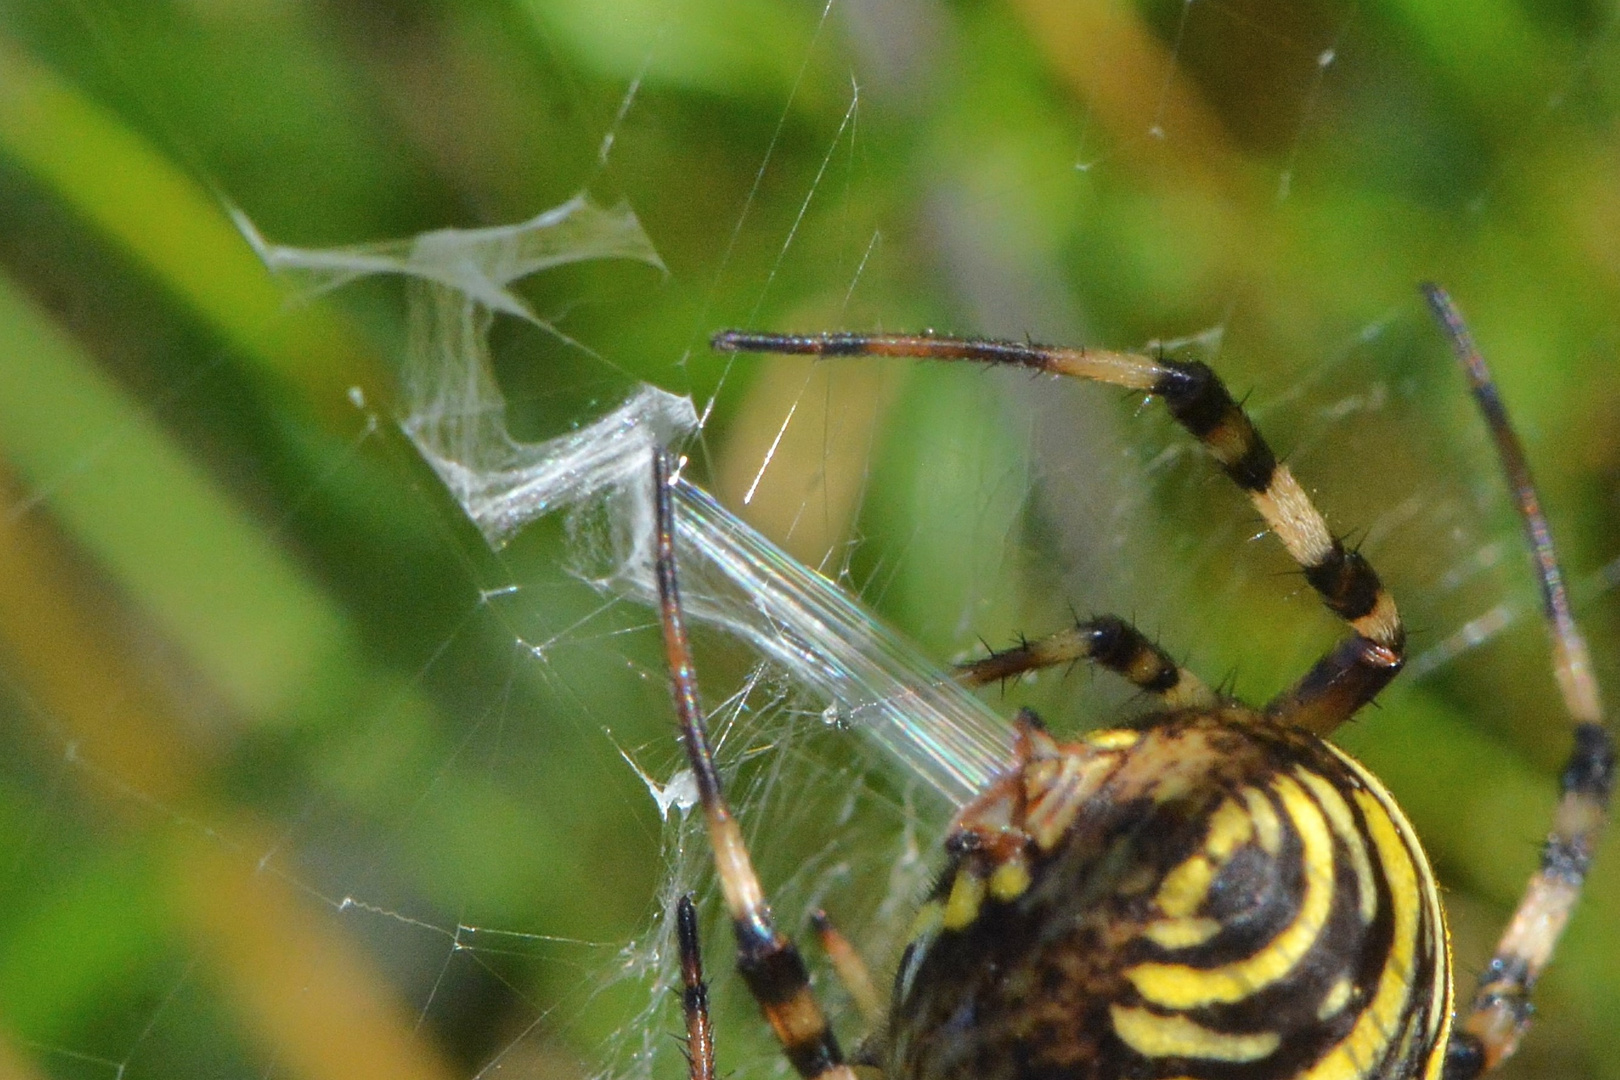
(341, 742)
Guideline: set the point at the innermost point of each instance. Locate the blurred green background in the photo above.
(301, 780)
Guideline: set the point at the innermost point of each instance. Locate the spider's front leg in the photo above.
(1344, 680)
(1110, 643)
(694, 995)
(767, 960)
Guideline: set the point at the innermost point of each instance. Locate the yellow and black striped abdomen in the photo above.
(1209, 896)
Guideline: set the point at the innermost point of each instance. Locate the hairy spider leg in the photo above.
(770, 965)
(694, 994)
(1107, 641)
(1501, 1009)
(1352, 673)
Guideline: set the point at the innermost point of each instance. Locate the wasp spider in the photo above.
(1215, 891)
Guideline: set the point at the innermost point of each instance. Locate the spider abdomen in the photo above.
(1212, 895)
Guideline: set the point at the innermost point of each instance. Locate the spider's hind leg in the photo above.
(1491, 1029)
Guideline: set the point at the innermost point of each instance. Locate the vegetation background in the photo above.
(291, 787)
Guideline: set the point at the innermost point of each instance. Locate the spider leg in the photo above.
(1109, 642)
(851, 968)
(1500, 1012)
(767, 960)
(1349, 676)
(694, 995)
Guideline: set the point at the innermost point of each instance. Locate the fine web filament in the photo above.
(881, 686)
(871, 680)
